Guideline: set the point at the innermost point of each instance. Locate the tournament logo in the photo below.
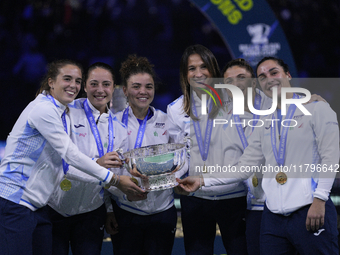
(260, 45)
(259, 33)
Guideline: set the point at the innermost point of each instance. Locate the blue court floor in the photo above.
(178, 248)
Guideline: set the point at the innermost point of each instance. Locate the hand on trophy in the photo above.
(155, 165)
(127, 186)
(191, 184)
(111, 225)
(110, 160)
(180, 191)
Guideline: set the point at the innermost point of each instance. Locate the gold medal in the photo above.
(204, 168)
(135, 181)
(65, 185)
(281, 178)
(255, 181)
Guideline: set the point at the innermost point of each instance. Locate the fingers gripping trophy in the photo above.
(156, 165)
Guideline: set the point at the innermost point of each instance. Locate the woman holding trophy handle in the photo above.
(78, 215)
(238, 72)
(32, 166)
(147, 226)
(224, 205)
(298, 211)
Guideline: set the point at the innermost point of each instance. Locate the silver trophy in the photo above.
(159, 163)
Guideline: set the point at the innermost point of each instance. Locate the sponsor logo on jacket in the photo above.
(159, 125)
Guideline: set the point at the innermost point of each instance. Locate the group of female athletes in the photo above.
(63, 180)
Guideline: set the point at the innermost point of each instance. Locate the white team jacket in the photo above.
(255, 195)
(85, 196)
(32, 166)
(314, 140)
(156, 132)
(180, 128)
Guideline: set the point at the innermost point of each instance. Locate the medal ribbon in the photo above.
(240, 130)
(280, 156)
(257, 106)
(63, 118)
(95, 131)
(142, 126)
(204, 148)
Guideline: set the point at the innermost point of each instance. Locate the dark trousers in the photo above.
(84, 232)
(199, 218)
(253, 227)
(288, 235)
(23, 231)
(144, 234)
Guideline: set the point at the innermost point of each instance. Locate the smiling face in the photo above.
(239, 77)
(99, 88)
(140, 91)
(197, 71)
(67, 84)
(270, 74)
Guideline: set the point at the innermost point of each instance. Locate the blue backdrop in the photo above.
(249, 29)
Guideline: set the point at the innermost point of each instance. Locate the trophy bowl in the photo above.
(159, 163)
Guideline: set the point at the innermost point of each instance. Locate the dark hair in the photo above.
(92, 67)
(53, 71)
(99, 65)
(241, 63)
(208, 59)
(277, 60)
(135, 65)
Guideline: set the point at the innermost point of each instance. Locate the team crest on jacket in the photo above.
(159, 125)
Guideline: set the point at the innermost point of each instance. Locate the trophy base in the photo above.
(159, 182)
